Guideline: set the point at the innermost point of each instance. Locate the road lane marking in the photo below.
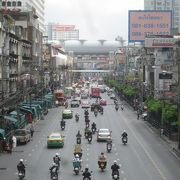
(32, 149)
(29, 154)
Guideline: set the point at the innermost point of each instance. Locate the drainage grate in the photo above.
(3, 168)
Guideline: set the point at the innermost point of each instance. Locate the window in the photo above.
(3, 3)
(19, 3)
(14, 3)
(8, 3)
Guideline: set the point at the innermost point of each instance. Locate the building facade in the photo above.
(173, 5)
(58, 32)
(27, 5)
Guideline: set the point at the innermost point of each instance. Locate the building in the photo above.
(61, 32)
(27, 5)
(159, 5)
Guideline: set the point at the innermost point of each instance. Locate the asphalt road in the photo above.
(145, 157)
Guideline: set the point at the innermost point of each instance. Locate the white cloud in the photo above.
(96, 19)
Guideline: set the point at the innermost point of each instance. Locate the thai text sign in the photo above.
(144, 23)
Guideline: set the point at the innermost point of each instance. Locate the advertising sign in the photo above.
(58, 27)
(144, 23)
(159, 42)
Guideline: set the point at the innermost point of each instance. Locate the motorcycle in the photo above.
(76, 170)
(122, 108)
(87, 178)
(21, 175)
(54, 176)
(115, 175)
(77, 167)
(62, 128)
(86, 135)
(93, 130)
(95, 113)
(78, 140)
(117, 108)
(77, 118)
(87, 124)
(124, 140)
(89, 139)
(109, 147)
(102, 166)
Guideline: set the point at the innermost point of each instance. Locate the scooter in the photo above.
(124, 140)
(89, 139)
(117, 108)
(21, 175)
(115, 175)
(77, 118)
(87, 178)
(78, 140)
(109, 147)
(54, 176)
(95, 113)
(76, 170)
(102, 166)
(93, 130)
(87, 124)
(62, 128)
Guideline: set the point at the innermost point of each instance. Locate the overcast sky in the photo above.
(95, 19)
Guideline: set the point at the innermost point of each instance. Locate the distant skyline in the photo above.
(95, 19)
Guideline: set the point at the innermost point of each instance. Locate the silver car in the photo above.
(104, 135)
(22, 135)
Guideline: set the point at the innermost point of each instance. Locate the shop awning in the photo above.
(9, 118)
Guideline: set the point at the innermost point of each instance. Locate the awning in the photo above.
(2, 133)
(9, 118)
(25, 110)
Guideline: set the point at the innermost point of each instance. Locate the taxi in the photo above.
(55, 140)
(67, 114)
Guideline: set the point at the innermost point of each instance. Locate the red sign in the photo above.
(63, 27)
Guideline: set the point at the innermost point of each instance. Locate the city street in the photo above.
(145, 157)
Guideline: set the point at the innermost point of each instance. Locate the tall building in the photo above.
(173, 5)
(61, 32)
(27, 5)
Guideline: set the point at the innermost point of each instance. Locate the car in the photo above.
(75, 103)
(104, 135)
(103, 102)
(95, 105)
(84, 96)
(85, 104)
(67, 114)
(22, 136)
(55, 139)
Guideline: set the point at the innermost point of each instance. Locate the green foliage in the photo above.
(154, 105)
(170, 111)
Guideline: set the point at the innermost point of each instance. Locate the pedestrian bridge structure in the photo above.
(92, 73)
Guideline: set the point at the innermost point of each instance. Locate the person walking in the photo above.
(32, 130)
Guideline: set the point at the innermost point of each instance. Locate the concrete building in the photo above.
(27, 5)
(173, 5)
(58, 32)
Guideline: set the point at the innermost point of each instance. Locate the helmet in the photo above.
(86, 169)
(102, 153)
(54, 164)
(124, 130)
(115, 162)
(77, 156)
(57, 154)
(21, 160)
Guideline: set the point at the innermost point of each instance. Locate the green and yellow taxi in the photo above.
(67, 114)
(55, 139)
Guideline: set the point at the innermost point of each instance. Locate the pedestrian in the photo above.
(14, 141)
(11, 143)
(32, 130)
(137, 115)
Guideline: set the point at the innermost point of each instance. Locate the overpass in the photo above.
(92, 72)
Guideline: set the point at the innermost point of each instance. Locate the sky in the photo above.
(95, 19)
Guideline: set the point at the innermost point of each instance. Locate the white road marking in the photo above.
(29, 154)
(32, 149)
(87, 159)
(116, 154)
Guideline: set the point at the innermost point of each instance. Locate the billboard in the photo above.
(58, 27)
(144, 23)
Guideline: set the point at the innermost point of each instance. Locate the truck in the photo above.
(95, 92)
(59, 97)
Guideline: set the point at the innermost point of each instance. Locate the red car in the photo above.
(103, 102)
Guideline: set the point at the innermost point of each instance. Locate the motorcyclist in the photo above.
(77, 161)
(122, 107)
(124, 134)
(116, 106)
(78, 150)
(86, 174)
(77, 116)
(63, 123)
(109, 142)
(102, 159)
(66, 104)
(57, 159)
(101, 110)
(95, 111)
(21, 167)
(53, 169)
(115, 168)
(78, 136)
(86, 113)
(93, 126)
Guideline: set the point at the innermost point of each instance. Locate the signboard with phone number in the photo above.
(144, 23)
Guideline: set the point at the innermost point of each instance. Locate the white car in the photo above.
(85, 104)
(104, 135)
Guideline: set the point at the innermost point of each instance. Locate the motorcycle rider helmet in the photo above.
(21, 160)
(54, 164)
(57, 154)
(115, 162)
(124, 131)
(86, 169)
(102, 153)
(77, 156)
